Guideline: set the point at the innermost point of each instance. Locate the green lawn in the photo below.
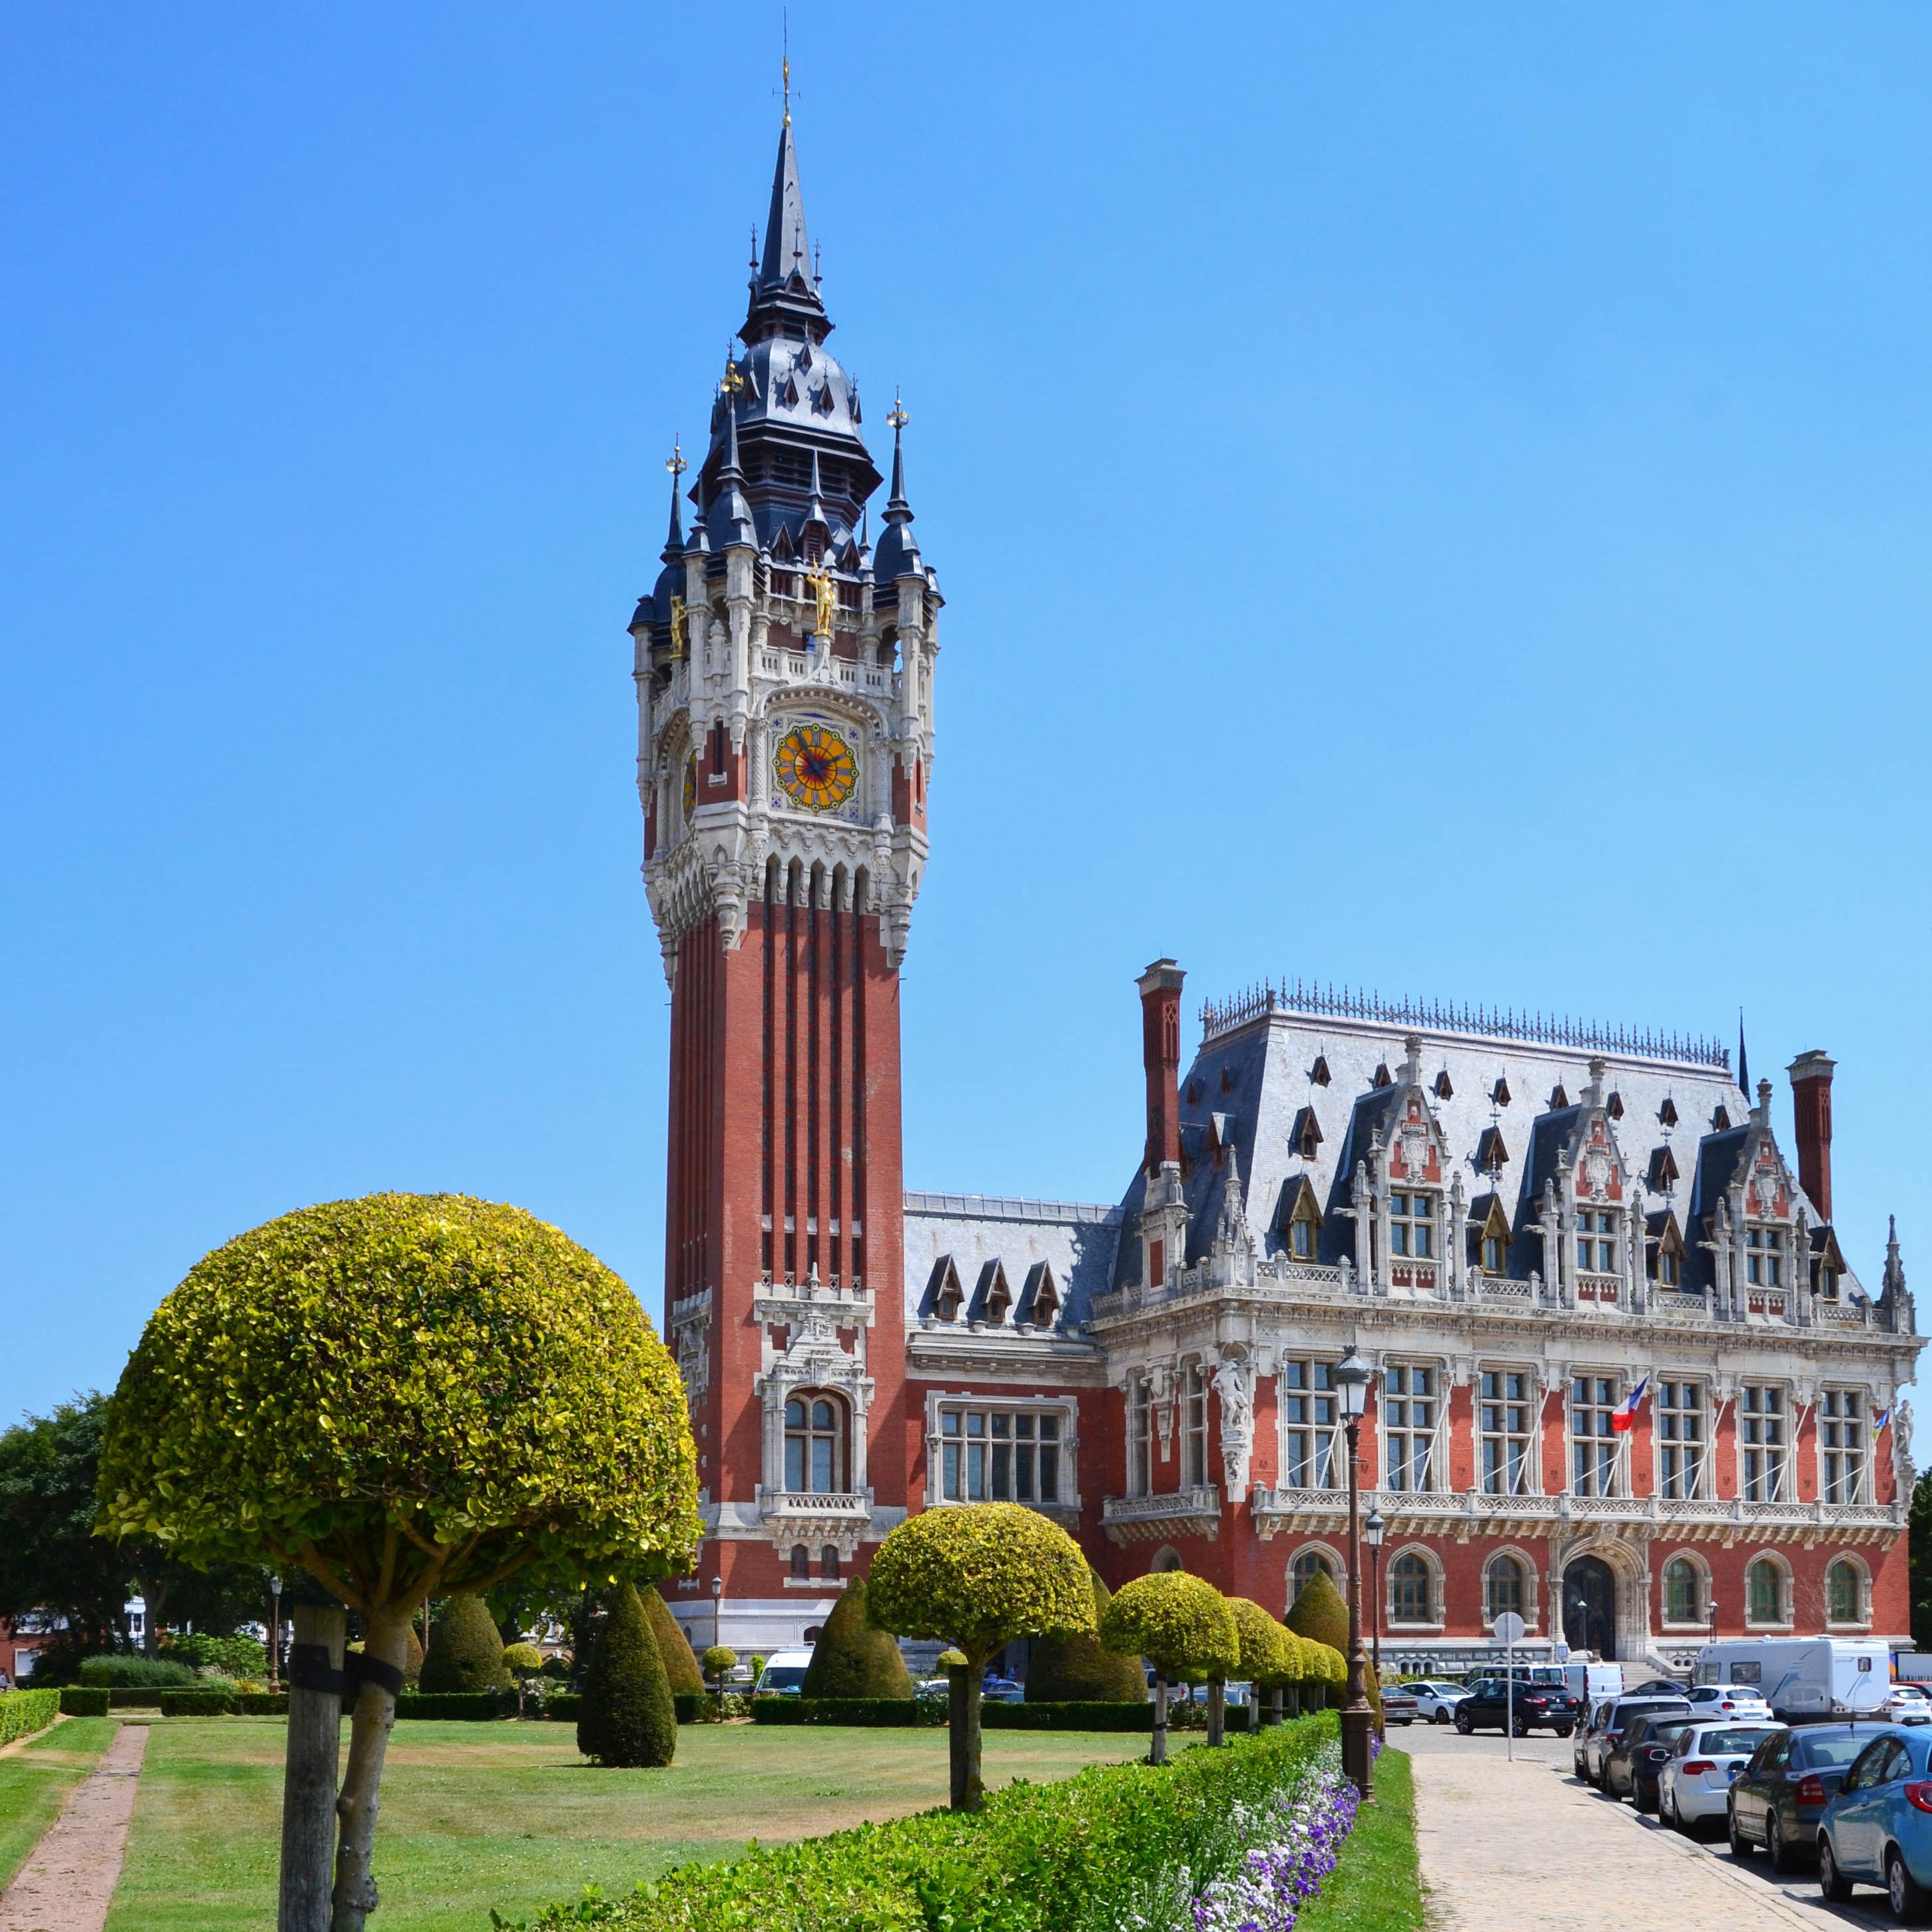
(475, 1816)
(1377, 1885)
(35, 1780)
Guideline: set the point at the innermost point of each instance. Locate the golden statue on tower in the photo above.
(826, 600)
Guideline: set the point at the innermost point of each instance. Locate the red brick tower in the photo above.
(783, 670)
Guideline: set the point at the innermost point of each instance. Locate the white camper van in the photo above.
(1805, 1678)
(1592, 1683)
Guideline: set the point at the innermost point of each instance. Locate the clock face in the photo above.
(815, 767)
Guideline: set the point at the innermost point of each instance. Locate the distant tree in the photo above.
(1182, 1625)
(406, 1396)
(853, 1658)
(627, 1716)
(1072, 1666)
(977, 1576)
(719, 1661)
(680, 1661)
(465, 1652)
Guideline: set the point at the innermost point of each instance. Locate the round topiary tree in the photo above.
(853, 1658)
(977, 1575)
(680, 1660)
(1182, 1625)
(407, 1396)
(718, 1662)
(465, 1650)
(523, 1659)
(627, 1716)
(1071, 1666)
(1267, 1660)
(1319, 1613)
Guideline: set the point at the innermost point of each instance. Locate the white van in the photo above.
(1593, 1682)
(784, 1674)
(1805, 1678)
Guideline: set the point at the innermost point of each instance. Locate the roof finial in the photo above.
(677, 466)
(784, 17)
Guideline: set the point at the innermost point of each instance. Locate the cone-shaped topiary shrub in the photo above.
(1069, 1666)
(627, 1716)
(466, 1651)
(1319, 1613)
(412, 1661)
(680, 1660)
(851, 1659)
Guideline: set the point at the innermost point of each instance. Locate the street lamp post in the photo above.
(717, 1609)
(274, 1633)
(1351, 1382)
(1373, 1530)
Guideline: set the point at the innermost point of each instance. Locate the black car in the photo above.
(1607, 1724)
(1631, 1764)
(1779, 1797)
(1492, 1702)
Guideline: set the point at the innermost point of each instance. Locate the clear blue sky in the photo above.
(1430, 497)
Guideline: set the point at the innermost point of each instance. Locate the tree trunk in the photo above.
(1254, 1709)
(1274, 1703)
(1157, 1754)
(1217, 1714)
(308, 1781)
(962, 1687)
(387, 1643)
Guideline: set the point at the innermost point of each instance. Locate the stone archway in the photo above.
(1590, 1607)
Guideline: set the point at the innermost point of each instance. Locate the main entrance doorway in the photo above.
(1590, 1607)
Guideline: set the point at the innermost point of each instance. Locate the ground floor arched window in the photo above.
(1408, 1589)
(1308, 1565)
(1505, 1587)
(1764, 1592)
(1844, 1592)
(1683, 1599)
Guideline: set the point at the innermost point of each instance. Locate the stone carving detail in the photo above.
(1234, 1383)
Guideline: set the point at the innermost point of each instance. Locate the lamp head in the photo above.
(717, 1587)
(1352, 1377)
(1373, 1527)
(275, 1586)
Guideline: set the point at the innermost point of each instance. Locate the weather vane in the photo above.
(732, 382)
(675, 462)
(898, 417)
(784, 17)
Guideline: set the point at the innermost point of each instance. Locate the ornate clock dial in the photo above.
(815, 767)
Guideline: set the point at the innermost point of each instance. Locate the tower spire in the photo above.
(787, 250)
(898, 555)
(676, 463)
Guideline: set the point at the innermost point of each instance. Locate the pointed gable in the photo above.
(944, 1297)
(1039, 1299)
(992, 1299)
(1664, 1175)
(1305, 1136)
(1444, 1088)
(1492, 1154)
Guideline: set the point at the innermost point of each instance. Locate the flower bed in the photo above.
(1187, 1847)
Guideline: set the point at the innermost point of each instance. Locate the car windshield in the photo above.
(782, 1677)
(1739, 1740)
(1821, 1754)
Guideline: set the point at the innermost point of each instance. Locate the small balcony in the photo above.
(1195, 1512)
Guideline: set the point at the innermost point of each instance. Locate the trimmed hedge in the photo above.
(931, 1713)
(458, 1706)
(1085, 1714)
(702, 1709)
(197, 1703)
(914, 1713)
(1079, 1853)
(83, 1700)
(674, 1650)
(23, 1712)
(144, 1673)
(262, 1703)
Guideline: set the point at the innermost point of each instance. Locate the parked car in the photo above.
(1399, 1704)
(1660, 1686)
(1703, 1760)
(1437, 1701)
(1590, 1684)
(1908, 1704)
(1631, 1764)
(784, 1674)
(1000, 1690)
(1727, 1700)
(1804, 1679)
(1606, 1726)
(1493, 1702)
(1878, 1829)
(1778, 1797)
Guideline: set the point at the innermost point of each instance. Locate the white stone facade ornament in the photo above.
(1234, 1383)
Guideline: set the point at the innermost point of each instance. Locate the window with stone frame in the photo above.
(1495, 1240)
(1764, 1256)
(1412, 1223)
(1308, 1565)
(1683, 1595)
(1408, 1592)
(1595, 1446)
(1506, 1415)
(814, 1445)
(1764, 1592)
(1844, 1593)
(1828, 1282)
(1303, 1229)
(801, 1563)
(1310, 1460)
(828, 1563)
(1411, 1408)
(1505, 1588)
(1680, 1437)
(1596, 1240)
(1193, 1427)
(1669, 1261)
(1841, 1446)
(1140, 1439)
(1763, 1447)
(1000, 1453)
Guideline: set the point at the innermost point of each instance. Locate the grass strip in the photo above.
(35, 1781)
(1377, 1885)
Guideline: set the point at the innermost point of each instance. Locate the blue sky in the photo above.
(1431, 497)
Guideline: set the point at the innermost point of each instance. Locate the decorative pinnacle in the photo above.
(785, 29)
(898, 417)
(675, 462)
(732, 382)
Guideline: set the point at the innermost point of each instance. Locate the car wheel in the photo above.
(1520, 1727)
(1564, 1730)
(1910, 1901)
(1742, 1847)
(1833, 1883)
(1438, 1715)
(1775, 1849)
(1465, 1724)
(1637, 1798)
(1666, 1809)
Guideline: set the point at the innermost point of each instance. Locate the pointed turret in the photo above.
(785, 266)
(730, 517)
(898, 554)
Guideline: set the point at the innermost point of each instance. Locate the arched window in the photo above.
(1843, 1593)
(1504, 1587)
(1308, 1565)
(1764, 1592)
(814, 1445)
(1408, 1589)
(1682, 1597)
(1166, 1560)
(801, 1562)
(828, 1564)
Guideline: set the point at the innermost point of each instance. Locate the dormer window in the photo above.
(1496, 1240)
(944, 1297)
(1499, 1094)
(1491, 1153)
(1318, 1073)
(1663, 1168)
(1558, 1097)
(1412, 1224)
(1764, 1256)
(1666, 1115)
(1383, 1076)
(1301, 1223)
(1614, 1106)
(1720, 1121)
(1444, 1091)
(1307, 1137)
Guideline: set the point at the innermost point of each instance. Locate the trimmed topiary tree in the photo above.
(1182, 1625)
(405, 1396)
(465, 1650)
(1071, 1666)
(523, 1659)
(1267, 1660)
(977, 1575)
(627, 1716)
(680, 1660)
(853, 1658)
(1320, 1612)
(949, 1659)
(719, 1662)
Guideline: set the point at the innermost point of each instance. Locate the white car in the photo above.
(1908, 1704)
(1435, 1703)
(1727, 1700)
(1694, 1785)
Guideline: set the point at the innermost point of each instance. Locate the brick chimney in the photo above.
(1811, 1110)
(1160, 1054)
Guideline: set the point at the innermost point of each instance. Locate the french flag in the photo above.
(1624, 1414)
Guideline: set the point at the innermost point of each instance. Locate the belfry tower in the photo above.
(783, 668)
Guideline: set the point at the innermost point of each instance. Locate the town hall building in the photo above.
(1627, 1384)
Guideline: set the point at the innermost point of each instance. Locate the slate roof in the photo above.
(1075, 1239)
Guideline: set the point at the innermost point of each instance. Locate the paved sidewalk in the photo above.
(68, 1880)
(1525, 1846)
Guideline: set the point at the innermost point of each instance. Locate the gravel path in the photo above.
(69, 1878)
